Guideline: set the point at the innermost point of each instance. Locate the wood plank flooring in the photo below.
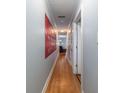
(63, 80)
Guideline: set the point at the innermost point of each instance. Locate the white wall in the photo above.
(37, 68)
(90, 48)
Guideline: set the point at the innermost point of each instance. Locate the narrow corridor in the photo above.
(63, 80)
(61, 48)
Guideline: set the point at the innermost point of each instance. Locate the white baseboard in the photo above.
(50, 74)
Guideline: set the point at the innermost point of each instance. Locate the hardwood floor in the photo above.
(63, 80)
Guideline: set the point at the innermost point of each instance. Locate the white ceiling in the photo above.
(67, 8)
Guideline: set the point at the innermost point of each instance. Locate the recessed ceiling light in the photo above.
(69, 31)
(62, 30)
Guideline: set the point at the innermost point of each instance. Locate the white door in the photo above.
(79, 48)
(74, 45)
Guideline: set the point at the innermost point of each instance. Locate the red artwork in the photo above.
(50, 38)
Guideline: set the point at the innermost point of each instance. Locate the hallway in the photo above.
(63, 80)
(55, 27)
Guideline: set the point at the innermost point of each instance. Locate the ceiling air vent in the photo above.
(61, 16)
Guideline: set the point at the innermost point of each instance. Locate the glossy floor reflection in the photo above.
(63, 80)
